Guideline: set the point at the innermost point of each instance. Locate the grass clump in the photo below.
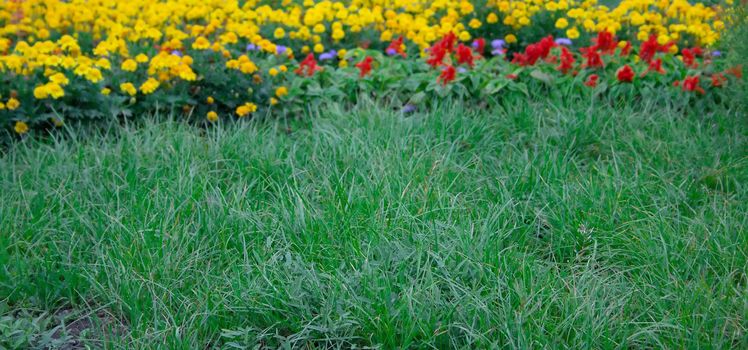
(545, 224)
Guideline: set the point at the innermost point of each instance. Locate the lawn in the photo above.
(546, 224)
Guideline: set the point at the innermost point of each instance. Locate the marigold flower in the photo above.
(281, 91)
(246, 109)
(129, 65)
(128, 88)
(212, 116)
(149, 86)
(13, 104)
(21, 127)
(201, 43)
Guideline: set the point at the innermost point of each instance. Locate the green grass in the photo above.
(524, 226)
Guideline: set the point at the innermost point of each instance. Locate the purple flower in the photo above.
(409, 108)
(251, 47)
(497, 52)
(474, 44)
(326, 56)
(716, 53)
(461, 70)
(280, 49)
(177, 53)
(391, 52)
(498, 44)
(563, 41)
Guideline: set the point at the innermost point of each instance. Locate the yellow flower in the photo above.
(128, 88)
(201, 43)
(284, 69)
(465, 36)
(572, 33)
(562, 23)
(21, 127)
(273, 72)
(492, 18)
(279, 33)
(273, 101)
(212, 116)
(59, 78)
(210, 100)
(129, 65)
(13, 104)
(510, 39)
(106, 91)
(40, 92)
(55, 90)
(2, 105)
(245, 109)
(141, 58)
(319, 48)
(149, 86)
(281, 91)
(475, 23)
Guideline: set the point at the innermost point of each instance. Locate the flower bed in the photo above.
(215, 60)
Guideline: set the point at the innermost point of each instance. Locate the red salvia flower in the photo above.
(718, 80)
(479, 45)
(651, 47)
(464, 55)
(448, 74)
(396, 47)
(310, 64)
(365, 66)
(592, 57)
(737, 71)
(534, 52)
(592, 80)
(626, 50)
(625, 74)
(440, 50)
(605, 42)
(511, 76)
(692, 84)
(689, 57)
(655, 66)
(567, 60)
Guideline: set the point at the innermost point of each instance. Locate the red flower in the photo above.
(737, 71)
(440, 50)
(605, 42)
(626, 50)
(534, 52)
(448, 74)
(464, 55)
(692, 84)
(689, 56)
(511, 76)
(718, 80)
(592, 57)
(592, 80)
(396, 47)
(479, 45)
(567, 61)
(625, 74)
(655, 66)
(310, 64)
(650, 47)
(365, 66)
